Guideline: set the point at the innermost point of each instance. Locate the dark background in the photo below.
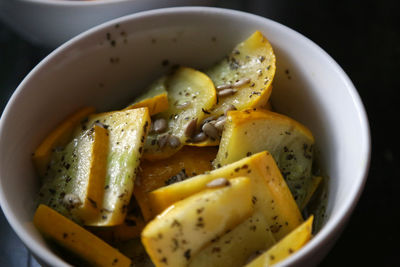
(363, 38)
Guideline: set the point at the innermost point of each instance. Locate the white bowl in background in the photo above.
(50, 23)
(111, 63)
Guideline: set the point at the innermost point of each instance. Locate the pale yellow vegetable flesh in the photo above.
(77, 173)
(290, 143)
(253, 59)
(286, 247)
(127, 133)
(90, 211)
(233, 249)
(189, 93)
(315, 182)
(179, 233)
(271, 196)
(76, 239)
(60, 136)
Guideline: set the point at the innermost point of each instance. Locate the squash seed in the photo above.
(226, 92)
(241, 82)
(162, 140)
(199, 137)
(159, 125)
(173, 141)
(219, 124)
(210, 130)
(219, 182)
(208, 119)
(191, 128)
(236, 84)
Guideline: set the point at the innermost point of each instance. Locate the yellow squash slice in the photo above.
(290, 143)
(97, 175)
(187, 162)
(190, 93)
(287, 246)
(249, 69)
(127, 133)
(76, 239)
(233, 249)
(179, 233)
(242, 79)
(205, 143)
(74, 185)
(155, 98)
(315, 182)
(271, 196)
(60, 136)
(130, 229)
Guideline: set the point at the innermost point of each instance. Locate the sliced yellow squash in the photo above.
(236, 247)
(155, 98)
(179, 233)
(76, 239)
(60, 136)
(127, 133)
(205, 143)
(290, 143)
(74, 185)
(271, 196)
(315, 182)
(286, 247)
(130, 229)
(190, 93)
(187, 162)
(248, 70)
(89, 210)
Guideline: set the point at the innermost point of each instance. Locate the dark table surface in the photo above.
(363, 38)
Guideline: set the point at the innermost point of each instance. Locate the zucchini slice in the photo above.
(290, 143)
(270, 193)
(190, 94)
(179, 233)
(249, 70)
(74, 184)
(233, 249)
(76, 239)
(287, 246)
(127, 132)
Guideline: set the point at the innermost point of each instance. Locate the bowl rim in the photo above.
(331, 227)
(78, 3)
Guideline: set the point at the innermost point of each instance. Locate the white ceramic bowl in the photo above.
(50, 23)
(83, 72)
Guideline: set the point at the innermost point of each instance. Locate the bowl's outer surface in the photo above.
(52, 22)
(110, 64)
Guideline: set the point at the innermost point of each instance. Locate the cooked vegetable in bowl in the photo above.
(213, 178)
(115, 163)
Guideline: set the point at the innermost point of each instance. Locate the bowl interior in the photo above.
(109, 65)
